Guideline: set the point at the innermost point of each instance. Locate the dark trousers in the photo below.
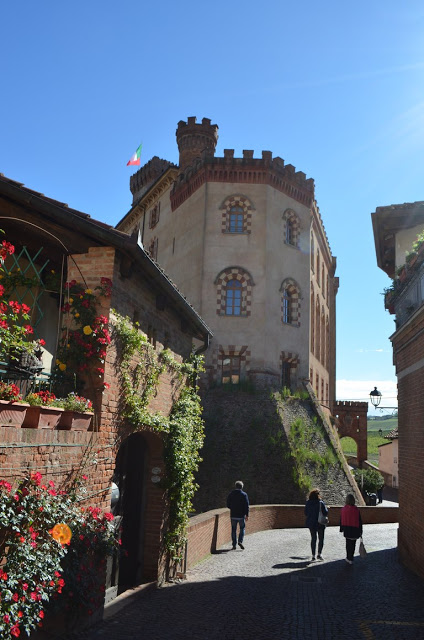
(350, 548)
(320, 534)
(242, 524)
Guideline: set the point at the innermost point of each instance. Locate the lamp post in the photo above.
(375, 397)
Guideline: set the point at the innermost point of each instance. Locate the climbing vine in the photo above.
(141, 368)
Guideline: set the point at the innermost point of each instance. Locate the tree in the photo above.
(368, 480)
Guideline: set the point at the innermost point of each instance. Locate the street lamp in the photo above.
(375, 397)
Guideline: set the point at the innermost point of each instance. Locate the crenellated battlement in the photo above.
(195, 140)
(143, 179)
(245, 169)
(350, 404)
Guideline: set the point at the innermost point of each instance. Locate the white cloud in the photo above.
(373, 351)
(360, 390)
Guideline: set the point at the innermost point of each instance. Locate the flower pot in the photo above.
(12, 414)
(75, 421)
(41, 417)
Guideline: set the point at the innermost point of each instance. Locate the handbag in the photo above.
(362, 550)
(322, 519)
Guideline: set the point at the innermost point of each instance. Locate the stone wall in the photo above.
(249, 434)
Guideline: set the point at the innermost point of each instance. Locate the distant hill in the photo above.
(385, 424)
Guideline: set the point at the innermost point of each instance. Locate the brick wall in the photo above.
(408, 347)
(56, 454)
(211, 530)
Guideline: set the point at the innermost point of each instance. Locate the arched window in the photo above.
(312, 253)
(290, 306)
(236, 218)
(317, 331)
(236, 215)
(318, 265)
(287, 310)
(291, 228)
(233, 291)
(289, 364)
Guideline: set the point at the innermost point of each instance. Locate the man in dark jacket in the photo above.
(238, 503)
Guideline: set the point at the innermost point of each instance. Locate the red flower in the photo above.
(41, 614)
(6, 618)
(15, 597)
(36, 478)
(15, 306)
(14, 631)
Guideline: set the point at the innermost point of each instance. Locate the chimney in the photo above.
(195, 139)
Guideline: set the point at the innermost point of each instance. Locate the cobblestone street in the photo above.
(272, 590)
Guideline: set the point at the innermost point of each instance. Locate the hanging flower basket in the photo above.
(75, 421)
(12, 414)
(40, 417)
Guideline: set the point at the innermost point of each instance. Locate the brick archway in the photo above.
(351, 421)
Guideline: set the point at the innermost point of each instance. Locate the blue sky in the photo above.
(335, 89)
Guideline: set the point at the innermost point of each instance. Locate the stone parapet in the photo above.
(209, 531)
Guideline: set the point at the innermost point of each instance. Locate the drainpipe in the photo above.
(204, 346)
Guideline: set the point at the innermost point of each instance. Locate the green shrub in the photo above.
(368, 480)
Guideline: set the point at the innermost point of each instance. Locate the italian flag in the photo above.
(136, 157)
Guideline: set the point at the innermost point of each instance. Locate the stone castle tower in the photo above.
(244, 241)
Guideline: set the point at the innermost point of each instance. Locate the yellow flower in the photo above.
(81, 297)
(89, 291)
(52, 271)
(68, 346)
(57, 361)
(71, 300)
(61, 533)
(87, 330)
(76, 315)
(62, 366)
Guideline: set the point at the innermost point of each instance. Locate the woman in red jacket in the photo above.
(351, 526)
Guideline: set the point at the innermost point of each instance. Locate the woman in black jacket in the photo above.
(312, 508)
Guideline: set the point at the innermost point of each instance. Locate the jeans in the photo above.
(320, 533)
(350, 548)
(242, 523)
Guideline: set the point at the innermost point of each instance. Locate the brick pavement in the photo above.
(271, 591)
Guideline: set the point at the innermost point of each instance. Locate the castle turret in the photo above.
(195, 139)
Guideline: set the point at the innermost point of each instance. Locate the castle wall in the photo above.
(198, 250)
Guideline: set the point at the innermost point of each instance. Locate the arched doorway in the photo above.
(130, 476)
(351, 420)
(350, 449)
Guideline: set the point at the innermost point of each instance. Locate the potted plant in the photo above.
(44, 411)
(12, 407)
(77, 414)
